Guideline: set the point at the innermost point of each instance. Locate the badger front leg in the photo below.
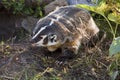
(69, 50)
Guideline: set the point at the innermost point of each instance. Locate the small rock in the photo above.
(29, 23)
(88, 2)
(9, 23)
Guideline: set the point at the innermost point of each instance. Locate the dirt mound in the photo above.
(21, 62)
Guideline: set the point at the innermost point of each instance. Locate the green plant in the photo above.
(40, 76)
(18, 7)
(115, 53)
(110, 10)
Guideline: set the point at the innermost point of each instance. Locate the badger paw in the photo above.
(62, 60)
(67, 56)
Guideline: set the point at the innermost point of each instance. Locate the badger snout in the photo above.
(32, 42)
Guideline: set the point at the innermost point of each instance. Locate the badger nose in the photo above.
(32, 42)
(33, 45)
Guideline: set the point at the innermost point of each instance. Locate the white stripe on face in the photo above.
(52, 22)
(43, 28)
(40, 43)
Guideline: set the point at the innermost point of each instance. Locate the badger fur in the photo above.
(65, 28)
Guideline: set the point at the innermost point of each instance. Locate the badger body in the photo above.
(65, 28)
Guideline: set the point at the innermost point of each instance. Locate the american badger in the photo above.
(65, 28)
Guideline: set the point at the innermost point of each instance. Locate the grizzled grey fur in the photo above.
(65, 28)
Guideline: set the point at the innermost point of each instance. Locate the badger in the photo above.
(65, 28)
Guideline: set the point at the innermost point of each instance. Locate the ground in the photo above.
(20, 61)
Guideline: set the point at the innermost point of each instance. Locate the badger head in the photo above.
(45, 39)
(47, 35)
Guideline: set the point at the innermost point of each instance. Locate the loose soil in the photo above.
(20, 61)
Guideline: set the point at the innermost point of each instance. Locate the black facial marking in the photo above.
(52, 39)
(38, 38)
(41, 24)
(45, 41)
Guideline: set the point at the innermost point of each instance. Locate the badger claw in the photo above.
(58, 62)
(61, 60)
